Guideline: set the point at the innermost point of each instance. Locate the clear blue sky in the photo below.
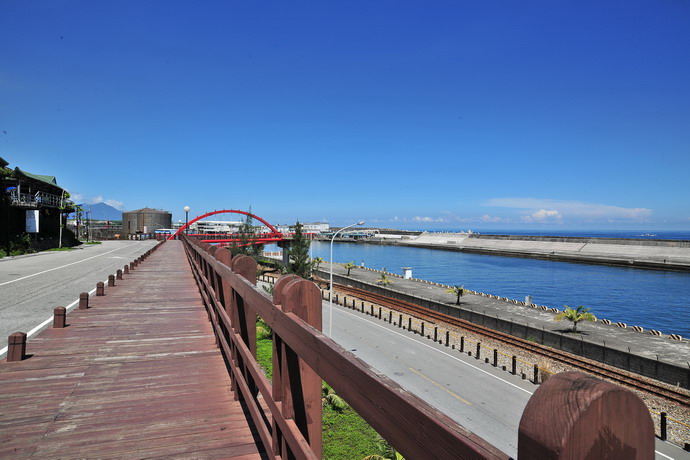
(451, 115)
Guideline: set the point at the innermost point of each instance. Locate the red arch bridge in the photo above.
(271, 236)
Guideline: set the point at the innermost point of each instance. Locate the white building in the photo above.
(307, 227)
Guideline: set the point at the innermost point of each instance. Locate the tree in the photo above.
(384, 280)
(246, 236)
(575, 315)
(316, 263)
(349, 266)
(299, 253)
(458, 291)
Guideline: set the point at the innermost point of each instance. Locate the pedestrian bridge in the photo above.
(161, 362)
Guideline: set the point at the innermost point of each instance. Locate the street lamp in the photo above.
(330, 296)
(186, 219)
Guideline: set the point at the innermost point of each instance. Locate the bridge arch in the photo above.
(274, 232)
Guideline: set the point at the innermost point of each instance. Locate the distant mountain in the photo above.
(101, 211)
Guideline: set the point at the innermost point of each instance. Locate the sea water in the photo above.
(653, 299)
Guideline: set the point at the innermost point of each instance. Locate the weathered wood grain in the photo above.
(135, 375)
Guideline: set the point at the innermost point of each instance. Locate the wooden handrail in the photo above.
(413, 427)
(289, 421)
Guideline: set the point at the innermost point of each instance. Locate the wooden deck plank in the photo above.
(137, 375)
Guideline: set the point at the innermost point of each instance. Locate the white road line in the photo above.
(40, 327)
(436, 349)
(451, 356)
(57, 268)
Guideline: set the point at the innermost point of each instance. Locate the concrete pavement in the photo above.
(643, 344)
(31, 286)
(483, 399)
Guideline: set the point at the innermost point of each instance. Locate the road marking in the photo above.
(40, 327)
(439, 351)
(57, 268)
(451, 356)
(440, 386)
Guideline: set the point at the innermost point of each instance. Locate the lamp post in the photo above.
(330, 295)
(186, 219)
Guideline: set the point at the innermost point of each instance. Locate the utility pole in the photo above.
(62, 197)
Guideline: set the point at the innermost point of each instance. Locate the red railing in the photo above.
(570, 413)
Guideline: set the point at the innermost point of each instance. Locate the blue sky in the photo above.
(454, 115)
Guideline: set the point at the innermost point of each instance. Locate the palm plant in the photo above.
(575, 315)
(386, 452)
(458, 291)
(263, 330)
(349, 266)
(331, 399)
(384, 280)
(316, 263)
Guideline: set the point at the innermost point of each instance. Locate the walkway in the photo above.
(137, 375)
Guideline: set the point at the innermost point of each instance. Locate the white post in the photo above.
(60, 217)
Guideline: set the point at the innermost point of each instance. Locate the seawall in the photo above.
(654, 254)
(660, 357)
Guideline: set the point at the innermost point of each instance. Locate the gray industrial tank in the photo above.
(145, 221)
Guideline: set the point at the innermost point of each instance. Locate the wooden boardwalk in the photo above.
(137, 375)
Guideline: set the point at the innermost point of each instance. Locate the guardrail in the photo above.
(571, 412)
(38, 199)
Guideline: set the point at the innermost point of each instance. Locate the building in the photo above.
(217, 226)
(307, 227)
(143, 223)
(32, 207)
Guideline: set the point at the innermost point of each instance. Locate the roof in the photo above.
(51, 180)
(148, 210)
(3, 162)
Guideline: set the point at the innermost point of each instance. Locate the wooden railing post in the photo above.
(59, 317)
(83, 300)
(244, 318)
(225, 295)
(16, 347)
(278, 352)
(575, 416)
(301, 385)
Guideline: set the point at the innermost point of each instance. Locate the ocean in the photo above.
(652, 299)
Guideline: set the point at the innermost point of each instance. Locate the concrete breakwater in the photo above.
(655, 254)
(647, 353)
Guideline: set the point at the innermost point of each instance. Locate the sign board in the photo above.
(146, 229)
(32, 221)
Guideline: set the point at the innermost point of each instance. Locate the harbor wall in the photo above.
(623, 359)
(653, 254)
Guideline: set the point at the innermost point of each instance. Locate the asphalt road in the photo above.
(483, 399)
(31, 286)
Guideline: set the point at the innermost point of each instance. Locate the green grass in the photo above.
(346, 436)
(60, 249)
(264, 355)
(93, 242)
(13, 253)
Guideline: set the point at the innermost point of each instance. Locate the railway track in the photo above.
(592, 367)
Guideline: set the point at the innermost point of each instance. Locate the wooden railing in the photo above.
(570, 413)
